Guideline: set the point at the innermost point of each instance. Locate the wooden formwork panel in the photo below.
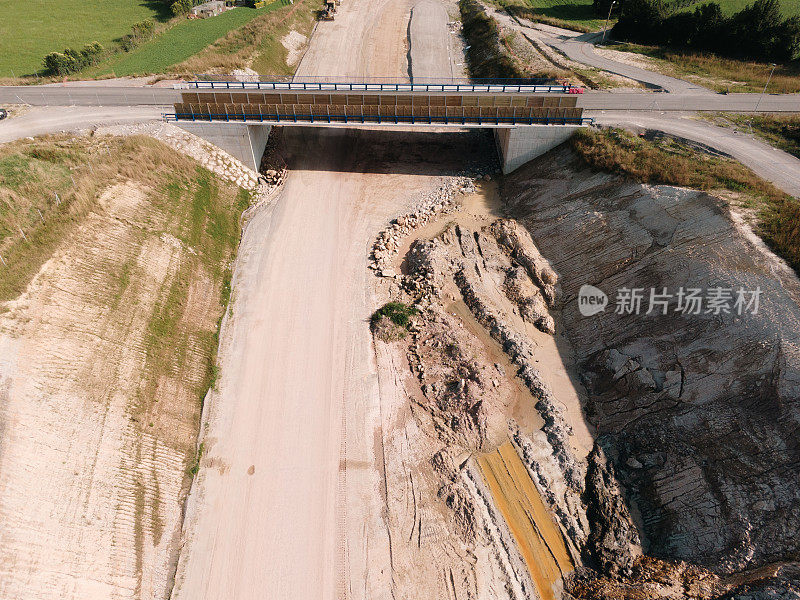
(206, 98)
(252, 111)
(473, 109)
(505, 111)
(473, 112)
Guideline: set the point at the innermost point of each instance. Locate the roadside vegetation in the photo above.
(665, 160)
(780, 131)
(720, 74)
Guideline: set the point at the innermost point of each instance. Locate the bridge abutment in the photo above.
(244, 142)
(518, 145)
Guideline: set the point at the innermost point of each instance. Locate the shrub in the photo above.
(140, 32)
(71, 61)
(397, 312)
(181, 7)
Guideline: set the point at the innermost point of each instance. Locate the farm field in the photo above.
(180, 42)
(30, 30)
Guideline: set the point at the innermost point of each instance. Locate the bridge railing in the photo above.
(376, 85)
(375, 119)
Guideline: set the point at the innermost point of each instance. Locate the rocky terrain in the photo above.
(671, 467)
(699, 412)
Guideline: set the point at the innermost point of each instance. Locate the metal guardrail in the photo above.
(382, 86)
(374, 119)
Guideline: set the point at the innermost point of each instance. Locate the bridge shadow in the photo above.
(417, 152)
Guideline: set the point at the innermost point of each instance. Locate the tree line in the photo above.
(757, 32)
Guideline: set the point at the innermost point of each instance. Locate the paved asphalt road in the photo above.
(579, 47)
(44, 120)
(134, 96)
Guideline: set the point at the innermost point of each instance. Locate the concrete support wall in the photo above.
(518, 145)
(242, 141)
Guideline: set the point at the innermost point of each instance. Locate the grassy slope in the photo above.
(670, 162)
(31, 29)
(780, 131)
(184, 202)
(33, 175)
(257, 43)
(178, 43)
(720, 74)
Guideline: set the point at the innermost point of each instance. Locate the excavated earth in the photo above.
(664, 447)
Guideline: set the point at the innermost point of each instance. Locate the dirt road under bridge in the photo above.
(289, 497)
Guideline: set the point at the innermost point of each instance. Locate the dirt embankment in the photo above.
(105, 356)
(484, 375)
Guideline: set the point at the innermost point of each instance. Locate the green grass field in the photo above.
(790, 7)
(31, 29)
(178, 43)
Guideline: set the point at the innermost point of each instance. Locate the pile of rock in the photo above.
(274, 177)
(212, 158)
(442, 201)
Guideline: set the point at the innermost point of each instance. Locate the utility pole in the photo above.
(608, 18)
(765, 87)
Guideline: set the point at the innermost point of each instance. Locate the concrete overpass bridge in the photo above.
(527, 119)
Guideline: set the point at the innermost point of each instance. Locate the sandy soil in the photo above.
(90, 486)
(290, 495)
(295, 43)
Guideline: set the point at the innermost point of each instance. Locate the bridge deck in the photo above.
(434, 108)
